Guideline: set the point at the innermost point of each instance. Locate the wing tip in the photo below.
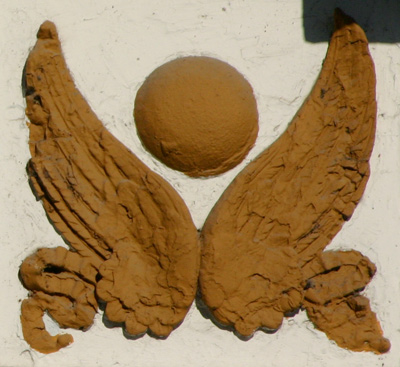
(47, 30)
(342, 19)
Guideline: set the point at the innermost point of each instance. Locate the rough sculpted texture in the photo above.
(132, 240)
(197, 115)
(263, 242)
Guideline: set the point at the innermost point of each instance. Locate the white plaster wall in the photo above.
(110, 47)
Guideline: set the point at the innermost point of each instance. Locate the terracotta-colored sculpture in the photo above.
(132, 241)
(263, 242)
(197, 115)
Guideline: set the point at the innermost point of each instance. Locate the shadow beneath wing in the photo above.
(206, 313)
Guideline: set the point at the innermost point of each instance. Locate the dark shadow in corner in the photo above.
(380, 19)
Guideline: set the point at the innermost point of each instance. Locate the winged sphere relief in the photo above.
(260, 257)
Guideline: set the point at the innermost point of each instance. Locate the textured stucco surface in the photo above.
(110, 47)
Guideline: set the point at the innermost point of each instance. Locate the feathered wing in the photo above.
(132, 238)
(264, 239)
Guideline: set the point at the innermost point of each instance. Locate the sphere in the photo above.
(197, 115)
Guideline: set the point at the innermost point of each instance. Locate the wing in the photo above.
(113, 211)
(285, 207)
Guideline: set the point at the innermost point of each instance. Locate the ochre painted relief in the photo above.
(260, 255)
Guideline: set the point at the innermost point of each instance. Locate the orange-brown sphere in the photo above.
(197, 115)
